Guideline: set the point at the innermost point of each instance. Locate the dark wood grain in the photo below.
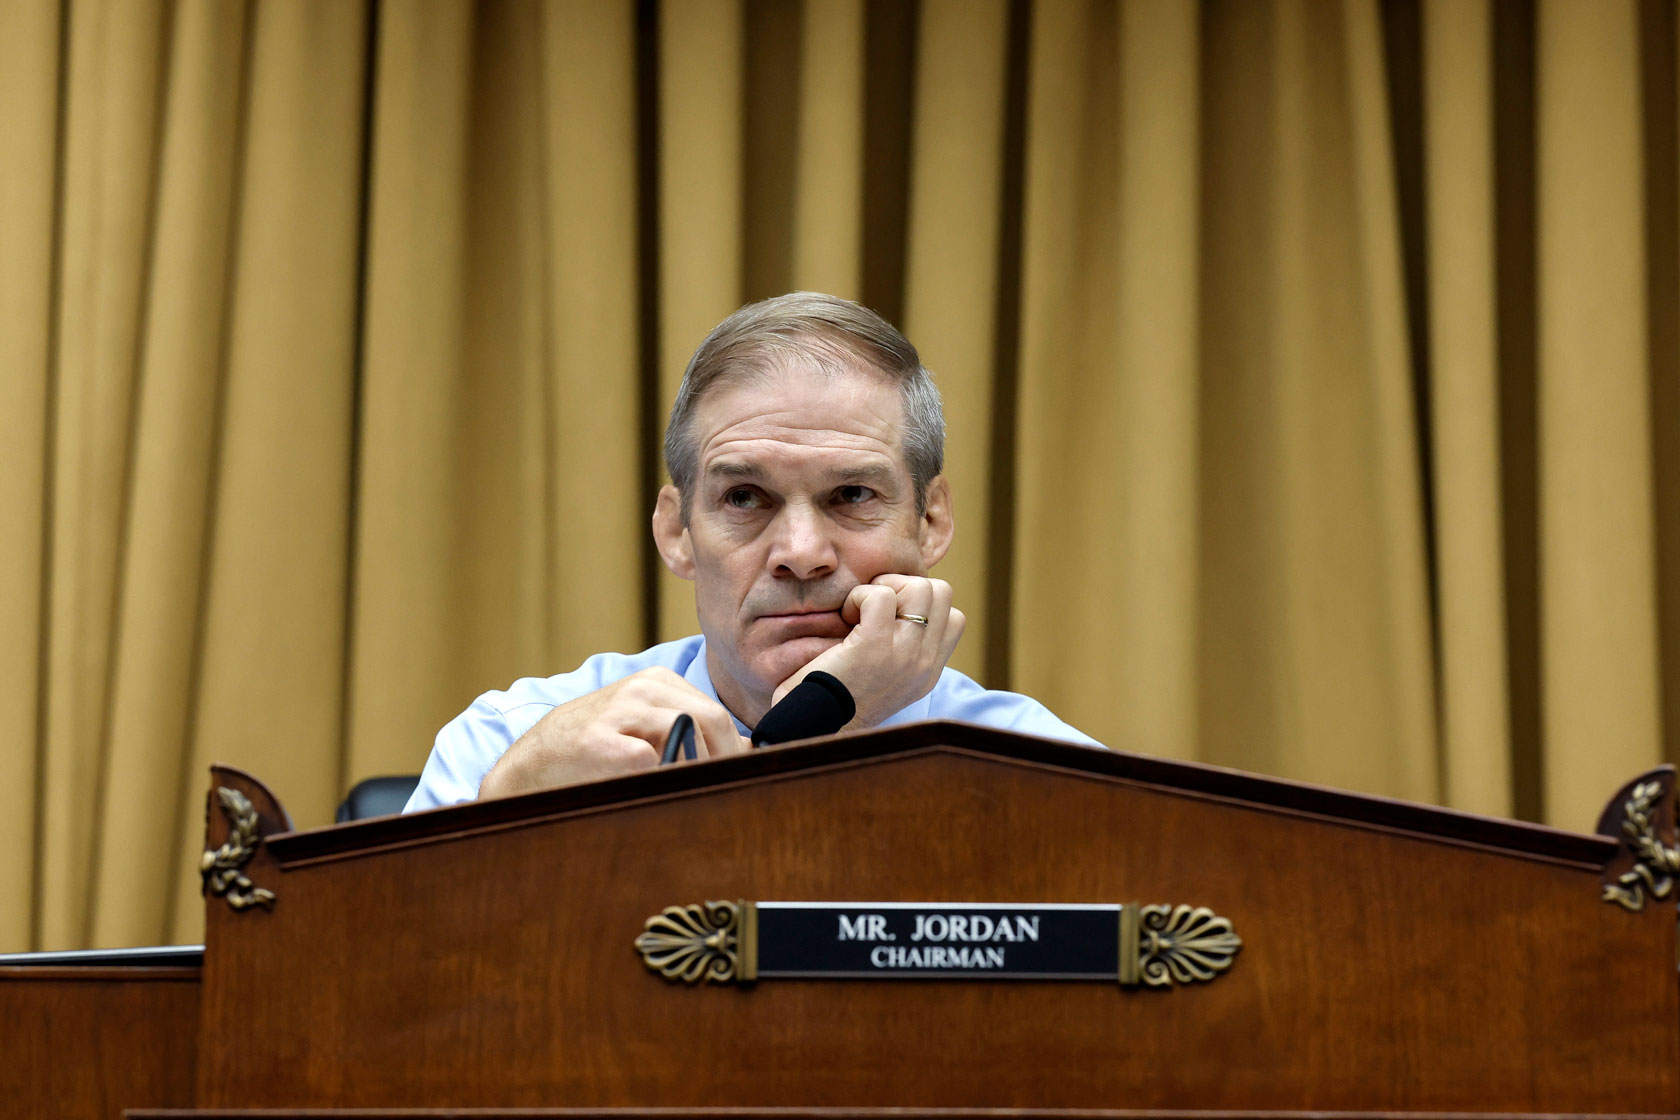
(83, 1044)
(1397, 958)
(837, 1114)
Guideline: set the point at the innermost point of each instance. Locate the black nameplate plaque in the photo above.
(844, 939)
(1153, 945)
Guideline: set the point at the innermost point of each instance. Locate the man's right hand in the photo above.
(614, 730)
(887, 661)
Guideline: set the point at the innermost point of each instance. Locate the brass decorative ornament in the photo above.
(223, 869)
(1183, 944)
(697, 943)
(1655, 864)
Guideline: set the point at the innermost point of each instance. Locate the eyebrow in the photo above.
(877, 475)
(730, 468)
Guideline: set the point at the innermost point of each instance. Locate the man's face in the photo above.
(802, 493)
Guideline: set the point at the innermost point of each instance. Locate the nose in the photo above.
(801, 547)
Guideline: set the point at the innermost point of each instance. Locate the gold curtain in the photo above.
(1313, 372)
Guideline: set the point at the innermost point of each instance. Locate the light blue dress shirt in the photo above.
(469, 745)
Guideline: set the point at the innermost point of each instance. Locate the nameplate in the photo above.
(1155, 945)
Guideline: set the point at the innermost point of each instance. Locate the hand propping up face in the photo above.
(889, 661)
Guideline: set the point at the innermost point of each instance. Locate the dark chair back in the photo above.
(377, 797)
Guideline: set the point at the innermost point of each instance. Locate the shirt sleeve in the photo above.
(959, 697)
(464, 751)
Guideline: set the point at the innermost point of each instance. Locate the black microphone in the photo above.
(818, 705)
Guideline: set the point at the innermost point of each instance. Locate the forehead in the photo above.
(809, 408)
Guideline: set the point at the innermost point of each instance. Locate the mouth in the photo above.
(813, 623)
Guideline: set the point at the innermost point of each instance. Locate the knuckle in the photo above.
(631, 686)
(646, 684)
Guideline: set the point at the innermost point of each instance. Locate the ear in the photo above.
(670, 535)
(938, 523)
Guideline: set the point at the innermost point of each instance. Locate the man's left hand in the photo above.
(888, 661)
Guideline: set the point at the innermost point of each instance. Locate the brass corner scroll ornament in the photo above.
(223, 868)
(698, 943)
(1655, 864)
(1155, 946)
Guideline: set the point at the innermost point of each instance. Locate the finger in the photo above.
(877, 610)
(660, 701)
(652, 724)
(850, 610)
(715, 731)
(942, 595)
(631, 752)
(915, 601)
(955, 623)
(939, 613)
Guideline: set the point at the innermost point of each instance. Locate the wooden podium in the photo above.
(1393, 957)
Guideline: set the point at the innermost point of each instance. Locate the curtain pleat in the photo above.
(1598, 602)
(30, 74)
(1401, 632)
(1464, 415)
(1309, 369)
(828, 151)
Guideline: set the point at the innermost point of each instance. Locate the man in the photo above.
(806, 505)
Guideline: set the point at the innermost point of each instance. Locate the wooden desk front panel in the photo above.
(1380, 971)
(85, 1043)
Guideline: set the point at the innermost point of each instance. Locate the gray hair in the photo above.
(835, 335)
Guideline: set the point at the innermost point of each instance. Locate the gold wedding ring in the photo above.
(918, 619)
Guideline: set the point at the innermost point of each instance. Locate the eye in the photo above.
(854, 494)
(741, 497)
